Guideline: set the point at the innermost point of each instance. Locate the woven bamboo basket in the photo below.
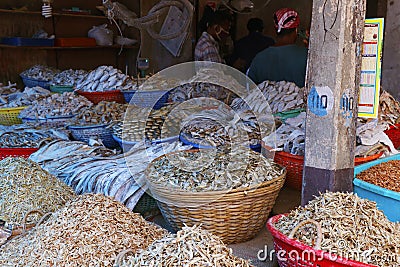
(21, 229)
(235, 216)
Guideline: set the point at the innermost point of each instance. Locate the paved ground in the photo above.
(287, 200)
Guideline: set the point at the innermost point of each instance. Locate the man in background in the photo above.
(249, 46)
(207, 48)
(285, 61)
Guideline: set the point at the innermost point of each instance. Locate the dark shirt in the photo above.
(247, 47)
(280, 63)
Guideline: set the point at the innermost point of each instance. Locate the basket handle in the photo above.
(26, 217)
(319, 231)
(121, 255)
(44, 217)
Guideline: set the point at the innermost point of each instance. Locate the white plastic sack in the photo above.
(102, 34)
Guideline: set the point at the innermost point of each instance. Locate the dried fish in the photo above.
(104, 112)
(88, 231)
(212, 170)
(104, 78)
(8, 89)
(351, 228)
(25, 186)
(389, 108)
(25, 98)
(40, 72)
(191, 246)
(66, 104)
(385, 174)
(68, 77)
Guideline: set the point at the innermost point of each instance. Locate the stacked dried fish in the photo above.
(89, 231)
(8, 89)
(159, 82)
(104, 78)
(68, 77)
(351, 228)
(104, 112)
(289, 137)
(22, 135)
(385, 174)
(67, 104)
(213, 170)
(119, 176)
(25, 186)
(25, 98)
(389, 108)
(190, 246)
(278, 97)
(40, 72)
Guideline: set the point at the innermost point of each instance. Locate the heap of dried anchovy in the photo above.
(68, 77)
(191, 246)
(89, 231)
(103, 112)
(213, 170)
(350, 226)
(56, 105)
(385, 174)
(25, 186)
(40, 72)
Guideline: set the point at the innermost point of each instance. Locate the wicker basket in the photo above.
(292, 253)
(153, 99)
(235, 216)
(98, 131)
(394, 135)
(9, 116)
(16, 152)
(294, 165)
(97, 97)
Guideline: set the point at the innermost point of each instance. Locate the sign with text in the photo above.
(368, 101)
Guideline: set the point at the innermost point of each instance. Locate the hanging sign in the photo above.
(368, 101)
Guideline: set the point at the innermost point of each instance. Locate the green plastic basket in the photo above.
(145, 204)
(61, 88)
(289, 114)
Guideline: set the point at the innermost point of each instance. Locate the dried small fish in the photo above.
(25, 186)
(212, 170)
(385, 174)
(351, 228)
(104, 112)
(68, 77)
(389, 108)
(40, 72)
(66, 104)
(8, 89)
(89, 231)
(25, 98)
(191, 246)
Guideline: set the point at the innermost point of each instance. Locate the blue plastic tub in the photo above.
(128, 95)
(32, 83)
(22, 41)
(388, 201)
(149, 99)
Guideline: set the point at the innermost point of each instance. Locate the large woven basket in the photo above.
(235, 216)
(98, 132)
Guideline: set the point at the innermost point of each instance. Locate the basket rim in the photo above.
(13, 109)
(84, 127)
(239, 190)
(53, 86)
(320, 254)
(25, 149)
(99, 93)
(49, 118)
(119, 140)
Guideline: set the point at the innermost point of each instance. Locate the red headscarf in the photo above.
(286, 18)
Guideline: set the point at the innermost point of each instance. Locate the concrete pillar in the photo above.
(391, 51)
(333, 78)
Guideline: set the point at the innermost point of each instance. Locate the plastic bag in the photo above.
(102, 34)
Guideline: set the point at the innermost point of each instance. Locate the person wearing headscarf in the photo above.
(285, 61)
(246, 48)
(207, 48)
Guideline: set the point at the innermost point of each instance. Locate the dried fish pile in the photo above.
(289, 137)
(191, 246)
(25, 98)
(8, 89)
(385, 174)
(158, 82)
(389, 108)
(213, 170)
(88, 231)
(22, 135)
(86, 171)
(103, 112)
(68, 77)
(67, 104)
(149, 123)
(40, 72)
(25, 186)
(104, 78)
(279, 96)
(351, 228)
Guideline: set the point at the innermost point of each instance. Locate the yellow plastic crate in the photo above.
(9, 116)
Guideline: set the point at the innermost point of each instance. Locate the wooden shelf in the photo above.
(69, 47)
(59, 14)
